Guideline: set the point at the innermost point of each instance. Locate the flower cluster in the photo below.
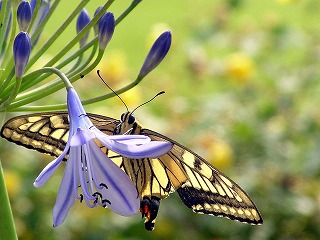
(32, 17)
(89, 175)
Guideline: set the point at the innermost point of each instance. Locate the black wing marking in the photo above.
(207, 190)
(48, 132)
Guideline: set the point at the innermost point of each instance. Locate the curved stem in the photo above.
(7, 60)
(12, 108)
(32, 79)
(13, 95)
(83, 65)
(8, 231)
(128, 10)
(76, 39)
(51, 87)
(39, 29)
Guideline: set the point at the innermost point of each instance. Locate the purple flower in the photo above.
(82, 21)
(21, 52)
(106, 29)
(24, 15)
(42, 13)
(157, 52)
(89, 169)
(96, 26)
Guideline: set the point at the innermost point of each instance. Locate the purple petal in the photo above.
(81, 137)
(47, 172)
(125, 139)
(66, 195)
(120, 192)
(77, 114)
(152, 149)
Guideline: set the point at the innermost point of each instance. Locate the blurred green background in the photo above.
(242, 84)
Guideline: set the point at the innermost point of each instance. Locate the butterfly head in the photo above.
(128, 125)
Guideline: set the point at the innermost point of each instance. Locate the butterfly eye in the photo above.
(131, 119)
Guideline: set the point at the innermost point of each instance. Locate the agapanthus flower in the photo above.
(102, 182)
(106, 29)
(82, 21)
(21, 52)
(24, 15)
(42, 12)
(156, 54)
(96, 26)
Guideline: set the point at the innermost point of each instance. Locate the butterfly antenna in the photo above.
(98, 72)
(162, 92)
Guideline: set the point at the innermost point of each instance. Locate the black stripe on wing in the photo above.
(206, 189)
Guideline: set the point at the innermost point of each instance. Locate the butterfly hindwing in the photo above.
(206, 190)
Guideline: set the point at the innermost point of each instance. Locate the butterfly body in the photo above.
(201, 187)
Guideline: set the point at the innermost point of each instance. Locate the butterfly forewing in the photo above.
(48, 132)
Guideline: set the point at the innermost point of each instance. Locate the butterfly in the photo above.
(201, 187)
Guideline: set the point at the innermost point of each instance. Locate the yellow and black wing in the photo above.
(48, 132)
(202, 187)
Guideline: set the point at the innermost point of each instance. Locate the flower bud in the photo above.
(82, 21)
(42, 13)
(106, 29)
(24, 15)
(157, 52)
(96, 26)
(21, 52)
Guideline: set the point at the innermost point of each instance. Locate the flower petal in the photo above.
(77, 114)
(125, 139)
(81, 137)
(66, 195)
(120, 192)
(152, 149)
(47, 172)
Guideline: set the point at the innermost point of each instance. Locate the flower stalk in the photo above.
(8, 231)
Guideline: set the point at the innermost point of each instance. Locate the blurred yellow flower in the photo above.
(220, 154)
(132, 97)
(217, 152)
(239, 67)
(13, 183)
(113, 68)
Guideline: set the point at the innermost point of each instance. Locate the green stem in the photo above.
(39, 29)
(75, 40)
(12, 36)
(8, 231)
(83, 65)
(51, 87)
(13, 94)
(32, 79)
(57, 34)
(64, 106)
(4, 16)
(5, 84)
(128, 10)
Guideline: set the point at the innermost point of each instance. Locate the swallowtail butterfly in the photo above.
(201, 187)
